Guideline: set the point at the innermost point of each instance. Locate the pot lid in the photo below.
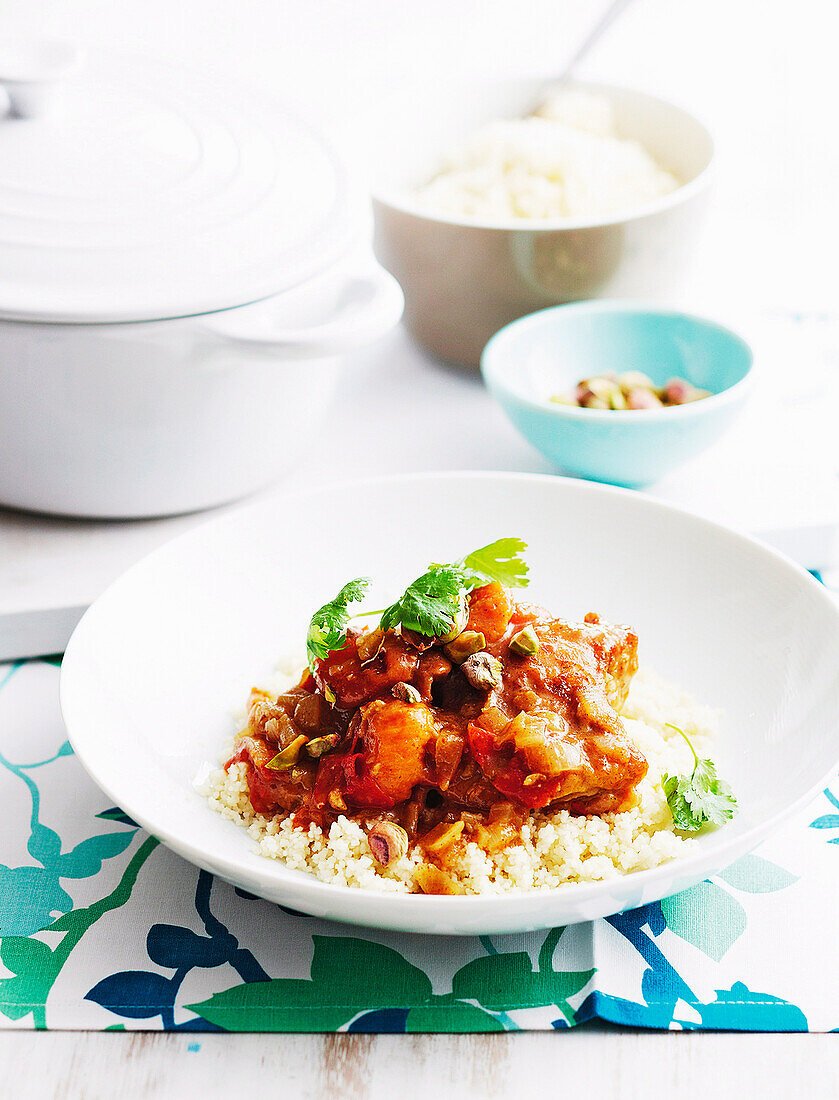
(130, 190)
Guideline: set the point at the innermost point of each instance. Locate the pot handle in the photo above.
(347, 308)
(31, 73)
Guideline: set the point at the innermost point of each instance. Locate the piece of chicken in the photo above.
(563, 701)
(593, 661)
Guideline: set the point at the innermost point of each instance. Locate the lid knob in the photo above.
(32, 70)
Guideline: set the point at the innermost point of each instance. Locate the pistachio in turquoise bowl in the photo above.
(547, 353)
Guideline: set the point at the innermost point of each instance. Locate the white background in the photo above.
(763, 74)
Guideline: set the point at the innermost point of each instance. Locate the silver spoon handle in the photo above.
(605, 21)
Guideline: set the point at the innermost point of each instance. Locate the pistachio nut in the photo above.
(320, 745)
(368, 645)
(483, 671)
(406, 692)
(388, 842)
(678, 391)
(464, 645)
(595, 403)
(635, 379)
(641, 398)
(525, 643)
(597, 393)
(289, 755)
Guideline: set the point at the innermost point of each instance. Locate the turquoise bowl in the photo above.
(548, 352)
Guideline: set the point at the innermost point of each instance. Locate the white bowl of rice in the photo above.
(498, 199)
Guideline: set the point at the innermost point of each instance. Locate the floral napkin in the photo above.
(105, 929)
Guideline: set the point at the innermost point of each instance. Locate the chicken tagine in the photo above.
(454, 719)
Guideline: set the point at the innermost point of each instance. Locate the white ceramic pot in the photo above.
(465, 278)
(139, 209)
(160, 417)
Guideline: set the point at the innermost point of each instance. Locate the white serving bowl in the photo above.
(160, 663)
(465, 278)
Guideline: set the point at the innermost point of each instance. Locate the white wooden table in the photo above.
(757, 70)
(592, 1061)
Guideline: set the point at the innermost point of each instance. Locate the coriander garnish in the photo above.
(700, 797)
(327, 630)
(430, 605)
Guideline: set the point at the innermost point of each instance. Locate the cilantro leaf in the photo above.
(328, 628)
(674, 787)
(432, 603)
(500, 561)
(430, 606)
(710, 796)
(699, 797)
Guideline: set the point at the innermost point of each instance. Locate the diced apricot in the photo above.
(434, 880)
(490, 608)
(395, 735)
(442, 836)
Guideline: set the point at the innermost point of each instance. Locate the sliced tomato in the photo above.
(508, 776)
(354, 683)
(267, 789)
(347, 773)
(252, 750)
(307, 682)
(361, 789)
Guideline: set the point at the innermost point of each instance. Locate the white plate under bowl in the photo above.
(161, 661)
